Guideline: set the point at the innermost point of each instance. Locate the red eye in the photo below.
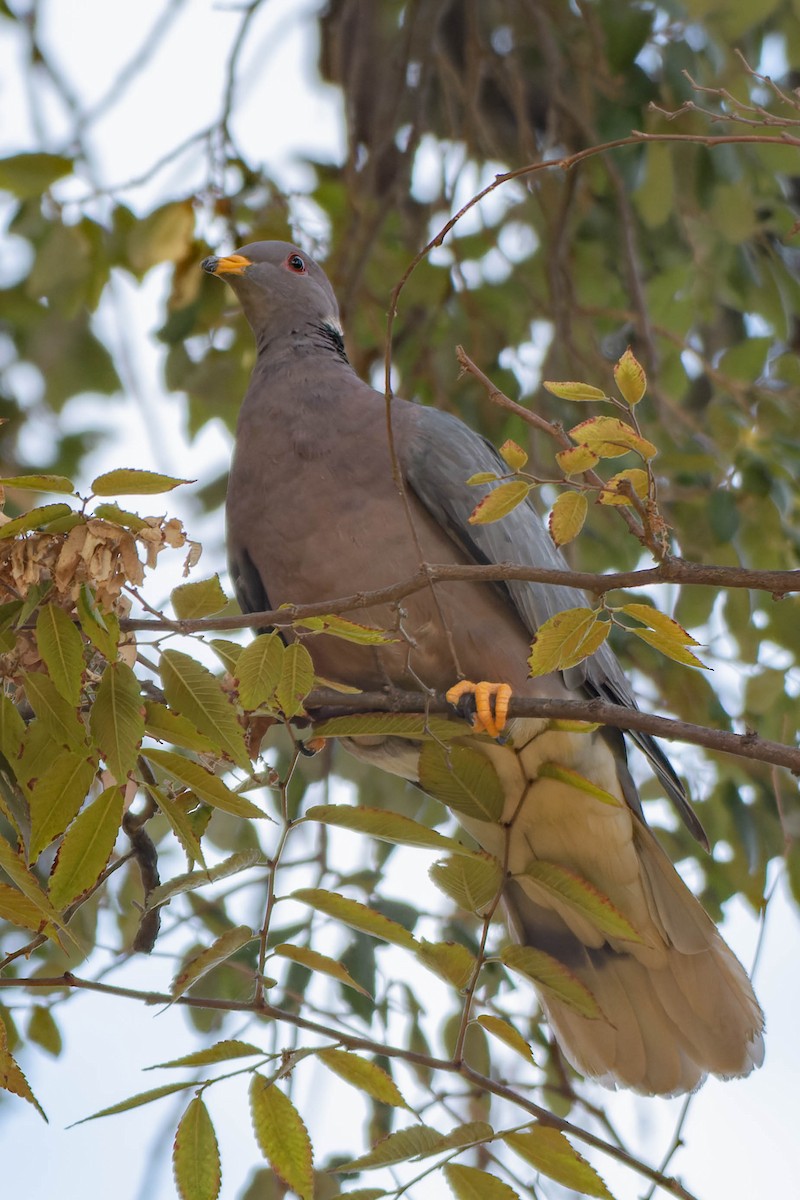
(295, 263)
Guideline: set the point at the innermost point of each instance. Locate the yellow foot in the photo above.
(485, 720)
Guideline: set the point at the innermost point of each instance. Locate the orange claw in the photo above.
(484, 721)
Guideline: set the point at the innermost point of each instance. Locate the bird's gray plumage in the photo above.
(315, 512)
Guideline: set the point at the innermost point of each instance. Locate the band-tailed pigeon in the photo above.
(314, 512)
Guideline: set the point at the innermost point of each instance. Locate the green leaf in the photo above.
(282, 1137)
(296, 681)
(567, 517)
(382, 824)
(348, 631)
(482, 477)
(505, 1032)
(553, 977)
(449, 960)
(242, 860)
(224, 1051)
(12, 729)
(34, 518)
(102, 629)
(18, 910)
(57, 715)
(463, 779)
(472, 882)
(196, 694)
(670, 646)
(86, 848)
(43, 1031)
(362, 1074)
(137, 1101)
(573, 390)
(181, 825)
(163, 724)
(130, 481)
(315, 961)
(551, 770)
(200, 598)
(560, 883)
(566, 639)
(61, 647)
(116, 720)
(548, 1151)
(356, 915)
(400, 1146)
(471, 1183)
(499, 502)
(28, 884)
(39, 483)
(227, 652)
(413, 726)
(258, 670)
(220, 951)
(120, 516)
(11, 1077)
(26, 176)
(57, 797)
(164, 235)
(195, 1155)
(205, 785)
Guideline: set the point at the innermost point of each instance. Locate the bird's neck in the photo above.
(313, 339)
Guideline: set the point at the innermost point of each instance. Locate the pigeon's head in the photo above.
(281, 289)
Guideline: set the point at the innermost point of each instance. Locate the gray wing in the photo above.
(437, 460)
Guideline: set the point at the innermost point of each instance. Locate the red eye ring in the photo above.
(297, 264)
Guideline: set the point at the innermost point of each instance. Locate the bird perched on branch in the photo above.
(332, 492)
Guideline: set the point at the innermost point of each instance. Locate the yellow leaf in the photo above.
(482, 477)
(356, 915)
(57, 797)
(206, 786)
(573, 390)
(131, 481)
(552, 977)
(117, 720)
(473, 883)
(61, 647)
(655, 619)
(362, 1074)
(11, 1077)
(449, 960)
(193, 692)
(200, 598)
(463, 779)
(577, 459)
(195, 1155)
(671, 647)
(558, 881)
(258, 670)
(472, 1183)
(630, 378)
(218, 952)
(548, 1151)
(383, 824)
(500, 502)
(566, 639)
(635, 476)
(319, 962)
(551, 770)
(399, 1146)
(86, 848)
(505, 1032)
(611, 438)
(567, 517)
(296, 679)
(282, 1136)
(513, 454)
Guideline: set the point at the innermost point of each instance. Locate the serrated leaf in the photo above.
(282, 1136)
(499, 502)
(57, 715)
(102, 629)
(165, 725)
(470, 1133)
(131, 481)
(577, 459)
(18, 910)
(449, 960)
(548, 1151)
(196, 694)
(567, 517)
(137, 1101)
(120, 516)
(28, 885)
(28, 175)
(583, 897)
(463, 779)
(227, 652)
(296, 680)
(348, 631)
(548, 974)
(505, 1032)
(12, 729)
(34, 518)
(241, 860)
(412, 725)
(86, 848)
(400, 1146)
(356, 915)
(472, 882)
(43, 1031)
(573, 390)
(11, 1077)
(195, 1155)
(258, 670)
(200, 598)
(224, 1051)
(39, 483)
(181, 824)
(671, 647)
(61, 648)
(482, 477)
(513, 454)
(630, 378)
(362, 1194)
(552, 770)
(57, 797)
(566, 639)
(612, 493)
(200, 964)
(117, 720)
(471, 1183)
(367, 1076)
(315, 961)
(206, 786)
(611, 438)
(382, 824)
(655, 619)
